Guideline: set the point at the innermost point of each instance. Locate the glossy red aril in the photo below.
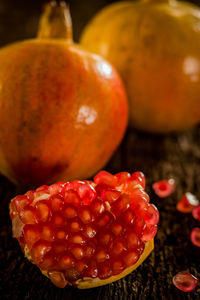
(187, 203)
(185, 281)
(82, 229)
(196, 212)
(164, 188)
(195, 236)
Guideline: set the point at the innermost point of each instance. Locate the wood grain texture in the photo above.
(159, 157)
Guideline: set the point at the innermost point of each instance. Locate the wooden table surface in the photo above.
(159, 157)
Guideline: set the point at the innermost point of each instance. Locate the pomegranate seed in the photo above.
(104, 270)
(97, 207)
(130, 186)
(132, 240)
(105, 239)
(196, 212)
(89, 250)
(92, 271)
(20, 202)
(105, 178)
(130, 257)
(61, 234)
(85, 215)
(28, 215)
(164, 188)
(84, 190)
(59, 247)
(42, 188)
(69, 212)
(46, 233)
(101, 255)
(139, 226)
(57, 278)
(110, 195)
(39, 250)
(81, 265)
(87, 193)
(75, 226)
(122, 177)
(104, 219)
(31, 235)
(128, 217)
(77, 252)
(116, 228)
(187, 203)
(57, 220)
(89, 232)
(121, 205)
(149, 233)
(195, 236)
(118, 248)
(138, 203)
(151, 215)
(47, 263)
(77, 239)
(185, 281)
(71, 197)
(65, 261)
(57, 188)
(56, 203)
(43, 211)
(138, 177)
(30, 195)
(117, 267)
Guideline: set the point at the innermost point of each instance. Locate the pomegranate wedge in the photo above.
(86, 233)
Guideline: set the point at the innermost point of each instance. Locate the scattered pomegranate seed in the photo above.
(185, 281)
(196, 212)
(81, 229)
(187, 203)
(164, 188)
(195, 236)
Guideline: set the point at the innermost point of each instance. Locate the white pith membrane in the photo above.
(85, 282)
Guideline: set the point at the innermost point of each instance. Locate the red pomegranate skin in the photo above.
(62, 112)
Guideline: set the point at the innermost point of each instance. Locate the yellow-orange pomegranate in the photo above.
(155, 46)
(63, 111)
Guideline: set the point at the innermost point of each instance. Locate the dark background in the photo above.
(174, 155)
(19, 18)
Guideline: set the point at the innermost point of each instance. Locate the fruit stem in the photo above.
(55, 22)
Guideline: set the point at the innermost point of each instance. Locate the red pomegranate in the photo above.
(63, 111)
